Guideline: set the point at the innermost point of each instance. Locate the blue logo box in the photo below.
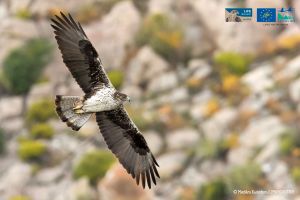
(242, 12)
(238, 14)
(266, 14)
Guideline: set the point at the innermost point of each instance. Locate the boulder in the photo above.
(10, 107)
(261, 131)
(182, 138)
(163, 82)
(291, 69)
(15, 179)
(155, 142)
(215, 127)
(114, 34)
(145, 66)
(294, 90)
(117, 184)
(259, 79)
(171, 163)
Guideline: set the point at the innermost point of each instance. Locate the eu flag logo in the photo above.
(266, 14)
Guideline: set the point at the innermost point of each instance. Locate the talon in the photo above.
(78, 107)
(78, 110)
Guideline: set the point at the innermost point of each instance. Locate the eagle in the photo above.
(233, 16)
(119, 132)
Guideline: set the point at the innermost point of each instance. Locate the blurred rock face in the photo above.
(117, 184)
(208, 110)
(112, 36)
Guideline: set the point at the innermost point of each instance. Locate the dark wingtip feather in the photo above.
(154, 160)
(57, 17)
(143, 179)
(61, 13)
(155, 171)
(137, 179)
(57, 99)
(148, 179)
(60, 114)
(75, 128)
(152, 176)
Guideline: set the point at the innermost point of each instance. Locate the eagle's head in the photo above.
(122, 98)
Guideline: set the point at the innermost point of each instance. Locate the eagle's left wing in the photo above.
(127, 143)
(78, 53)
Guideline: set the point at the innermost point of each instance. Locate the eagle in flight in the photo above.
(120, 134)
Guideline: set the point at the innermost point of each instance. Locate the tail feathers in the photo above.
(65, 109)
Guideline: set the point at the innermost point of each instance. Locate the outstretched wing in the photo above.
(78, 53)
(127, 143)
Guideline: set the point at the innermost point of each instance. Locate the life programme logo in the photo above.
(238, 14)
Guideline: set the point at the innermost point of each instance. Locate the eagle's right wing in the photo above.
(78, 53)
(127, 143)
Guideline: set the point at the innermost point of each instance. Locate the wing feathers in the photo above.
(86, 69)
(129, 146)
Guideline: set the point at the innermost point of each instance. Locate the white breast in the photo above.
(103, 100)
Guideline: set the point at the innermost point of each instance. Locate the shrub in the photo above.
(24, 65)
(41, 111)
(244, 177)
(19, 197)
(216, 189)
(163, 35)
(212, 149)
(212, 107)
(287, 143)
(230, 83)
(31, 149)
(94, 165)
(23, 13)
(233, 63)
(116, 77)
(2, 141)
(296, 174)
(42, 130)
(92, 11)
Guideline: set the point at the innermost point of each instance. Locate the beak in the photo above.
(128, 98)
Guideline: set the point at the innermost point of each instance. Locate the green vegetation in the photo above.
(19, 197)
(24, 65)
(232, 63)
(31, 149)
(94, 165)
(216, 189)
(23, 13)
(244, 177)
(92, 11)
(116, 77)
(296, 174)
(41, 111)
(212, 149)
(288, 142)
(2, 141)
(163, 35)
(42, 130)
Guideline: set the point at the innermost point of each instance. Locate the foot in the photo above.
(78, 109)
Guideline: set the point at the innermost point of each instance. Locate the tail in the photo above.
(65, 108)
